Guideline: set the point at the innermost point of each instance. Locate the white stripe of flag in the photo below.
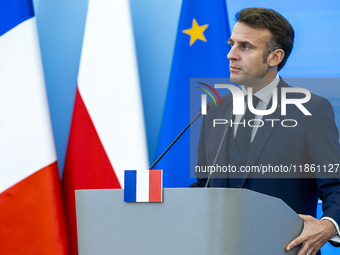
(142, 193)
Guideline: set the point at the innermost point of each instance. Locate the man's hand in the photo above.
(314, 235)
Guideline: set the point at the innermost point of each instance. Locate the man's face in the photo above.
(247, 53)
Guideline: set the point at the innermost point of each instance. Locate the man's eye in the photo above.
(245, 47)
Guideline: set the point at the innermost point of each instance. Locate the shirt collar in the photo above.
(265, 93)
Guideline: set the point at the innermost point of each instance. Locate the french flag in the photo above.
(143, 186)
(32, 215)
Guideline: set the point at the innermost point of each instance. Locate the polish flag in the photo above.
(107, 132)
(31, 210)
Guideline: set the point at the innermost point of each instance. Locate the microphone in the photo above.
(219, 149)
(180, 134)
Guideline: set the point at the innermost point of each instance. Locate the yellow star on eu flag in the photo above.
(196, 32)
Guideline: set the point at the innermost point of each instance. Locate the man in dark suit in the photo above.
(261, 42)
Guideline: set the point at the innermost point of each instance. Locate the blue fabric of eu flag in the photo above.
(200, 52)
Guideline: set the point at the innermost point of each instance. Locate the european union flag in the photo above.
(200, 52)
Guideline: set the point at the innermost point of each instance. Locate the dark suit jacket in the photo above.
(313, 141)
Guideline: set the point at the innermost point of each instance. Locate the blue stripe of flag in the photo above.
(14, 12)
(130, 185)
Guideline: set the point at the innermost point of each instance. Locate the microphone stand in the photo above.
(161, 156)
(219, 149)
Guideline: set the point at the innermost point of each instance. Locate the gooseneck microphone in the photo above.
(219, 148)
(180, 134)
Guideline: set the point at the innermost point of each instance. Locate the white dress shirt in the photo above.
(264, 94)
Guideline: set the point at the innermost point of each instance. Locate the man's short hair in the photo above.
(281, 30)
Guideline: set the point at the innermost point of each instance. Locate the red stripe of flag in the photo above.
(155, 186)
(32, 216)
(87, 165)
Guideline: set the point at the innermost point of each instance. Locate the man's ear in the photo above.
(275, 57)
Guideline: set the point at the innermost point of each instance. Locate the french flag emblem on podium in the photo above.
(143, 186)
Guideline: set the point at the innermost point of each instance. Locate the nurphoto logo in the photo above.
(238, 102)
(239, 105)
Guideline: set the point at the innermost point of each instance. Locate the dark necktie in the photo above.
(243, 134)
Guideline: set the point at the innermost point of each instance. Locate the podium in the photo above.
(189, 221)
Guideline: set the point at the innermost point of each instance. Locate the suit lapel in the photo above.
(264, 132)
